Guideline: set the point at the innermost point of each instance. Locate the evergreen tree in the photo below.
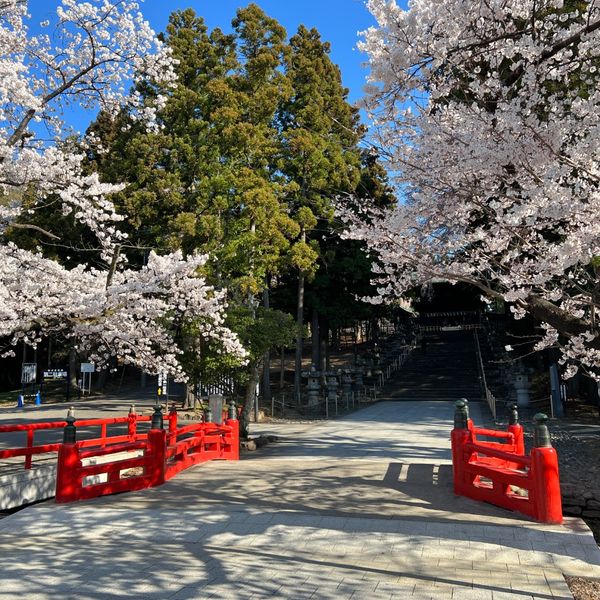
(320, 157)
(208, 179)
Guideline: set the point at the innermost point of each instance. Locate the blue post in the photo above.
(38, 399)
(20, 401)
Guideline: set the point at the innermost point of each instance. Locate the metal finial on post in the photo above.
(461, 414)
(541, 435)
(466, 408)
(132, 409)
(232, 410)
(70, 431)
(157, 417)
(513, 415)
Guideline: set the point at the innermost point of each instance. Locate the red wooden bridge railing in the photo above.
(137, 461)
(128, 459)
(500, 473)
(30, 449)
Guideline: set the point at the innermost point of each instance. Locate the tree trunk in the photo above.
(324, 350)
(188, 346)
(250, 399)
(103, 375)
(189, 396)
(282, 370)
(267, 358)
(299, 339)
(49, 361)
(315, 339)
(73, 371)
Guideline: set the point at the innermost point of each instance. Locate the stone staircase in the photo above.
(444, 368)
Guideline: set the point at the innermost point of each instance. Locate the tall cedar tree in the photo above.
(320, 155)
(206, 180)
(256, 142)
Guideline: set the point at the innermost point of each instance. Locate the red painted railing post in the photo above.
(516, 429)
(67, 466)
(172, 439)
(544, 471)
(233, 439)
(460, 435)
(28, 457)
(66, 473)
(157, 456)
(132, 424)
(156, 449)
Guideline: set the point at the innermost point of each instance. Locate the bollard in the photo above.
(208, 418)
(544, 468)
(70, 431)
(157, 418)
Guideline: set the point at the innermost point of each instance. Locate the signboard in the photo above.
(55, 374)
(88, 368)
(28, 373)
(163, 384)
(215, 404)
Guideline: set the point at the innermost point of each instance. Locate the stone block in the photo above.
(574, 511)
(595, 514)
(21, 487)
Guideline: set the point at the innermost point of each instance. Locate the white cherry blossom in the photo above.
(489, 116)
(89, 55)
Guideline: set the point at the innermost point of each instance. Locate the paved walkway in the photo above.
(360, 507)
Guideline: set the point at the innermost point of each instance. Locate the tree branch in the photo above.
(35, 228)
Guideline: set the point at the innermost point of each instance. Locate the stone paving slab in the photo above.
(357, 508)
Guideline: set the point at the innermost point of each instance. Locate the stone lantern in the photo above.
(313, 387)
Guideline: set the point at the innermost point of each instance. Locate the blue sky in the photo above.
(338, 21)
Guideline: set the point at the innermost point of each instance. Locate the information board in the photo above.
(163, 384)
(28, 373)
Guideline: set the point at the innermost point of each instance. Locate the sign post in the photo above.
(54, 376)
(87, 369)
(163, 387)
(28, 380)
(28, 373)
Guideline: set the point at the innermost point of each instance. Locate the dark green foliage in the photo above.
(256, 142)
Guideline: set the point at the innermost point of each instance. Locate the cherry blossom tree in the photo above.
(87, 56)
(488, 112)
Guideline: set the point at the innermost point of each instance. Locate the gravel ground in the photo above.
(577, 442)
(584, 589)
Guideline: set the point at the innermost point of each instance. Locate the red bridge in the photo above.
(500, 473)
(127, 461)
